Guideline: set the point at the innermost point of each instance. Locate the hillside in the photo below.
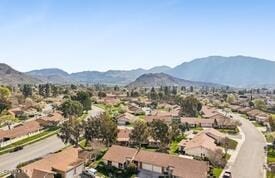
(111, 77)
(52, 75)
(10, 76)
(238, 71)
(162, 79)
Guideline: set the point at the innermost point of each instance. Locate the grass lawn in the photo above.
(256, 124)
(81, 118)
(174, 148)
(270, 175)
(270, 155)
(269, 137)
(102, 106)
(29, 140)
(217, 172)
(197, 128)
(232, 144)
(227, 156)
(230, 131)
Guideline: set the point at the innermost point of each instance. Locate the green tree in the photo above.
(190, 106)
(71, 108)
(260, 104)
(7, 120)
(70, 132)
(101, 94)
(27, 90)
(140, 133)
(4, 98)
(174, 130)
(92, 129)
(153, 94)
(108, 129)
(48, 90)
(84, 99)
(160, 133)
(230, 98)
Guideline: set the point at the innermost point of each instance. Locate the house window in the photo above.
(109, 163)
(120, 166)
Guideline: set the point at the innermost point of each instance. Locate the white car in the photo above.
(90, 172)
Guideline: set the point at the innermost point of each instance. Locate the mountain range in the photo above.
(235, 71)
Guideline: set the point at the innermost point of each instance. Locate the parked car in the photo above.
(91, 172)
(16, 149)
(227, 174)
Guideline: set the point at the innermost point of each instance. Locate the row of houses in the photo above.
(154, 163)
(252, 113)
(29, 128)
(216, 121)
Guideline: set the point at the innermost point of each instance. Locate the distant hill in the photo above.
(111, 77)
(52, 75)
(237, 71)
(10, 76)
(162, 79)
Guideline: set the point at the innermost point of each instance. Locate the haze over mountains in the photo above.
(236, 71)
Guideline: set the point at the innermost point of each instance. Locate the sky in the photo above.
(106, 34)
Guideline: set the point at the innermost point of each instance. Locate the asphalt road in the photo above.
(251, 157)
(9, 161)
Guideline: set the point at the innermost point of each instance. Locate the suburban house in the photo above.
(165, 116)
(18, 132)
(16, 112)
(51, 119)
(68, 163)
(215, 121)
(223, 122)
(197, 122)
(244, 110)
(123, 136)
(208, 111)
(203, 144)
(126, 118)
(258, 115)
(134, 109)
(156, 164)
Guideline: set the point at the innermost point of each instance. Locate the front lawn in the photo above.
(174, 147)
(230, 144)
(271, 156)
(217, 172)
(256, 124)
(229, 131)
(270, 175)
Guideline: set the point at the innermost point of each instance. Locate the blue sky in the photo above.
(106, 34)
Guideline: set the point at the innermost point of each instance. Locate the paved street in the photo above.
(9, 161)
(251, 157)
